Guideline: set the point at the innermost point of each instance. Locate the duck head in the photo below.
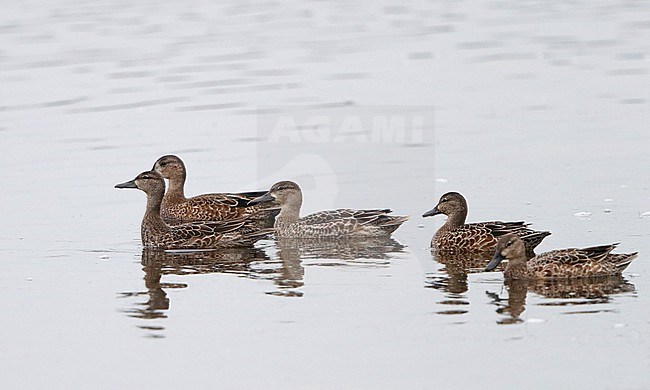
(509, 247)
(284, 192)
(170, 167)
(450, 203)
(150, 182)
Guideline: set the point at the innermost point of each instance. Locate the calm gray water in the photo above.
(533, 110)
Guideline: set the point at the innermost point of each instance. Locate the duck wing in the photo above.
(234, 200)
(575, 256)
(499, 228)
(363, 217)
(219, 207)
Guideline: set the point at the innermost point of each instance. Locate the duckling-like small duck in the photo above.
(594, 261)
(324, 224)
(457, 236)
(194, 235)
(176, 208)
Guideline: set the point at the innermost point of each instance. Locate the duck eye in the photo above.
(444, 200)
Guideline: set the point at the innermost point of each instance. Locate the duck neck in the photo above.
(454, 220)
(152, 214)
(176, 188)
(516, 269)
(289, 212)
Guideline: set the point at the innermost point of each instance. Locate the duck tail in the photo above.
(622, 260)
(534, 238)
(390, 223)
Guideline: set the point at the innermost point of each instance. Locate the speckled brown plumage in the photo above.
(194, 235)
(596, 261)
(457, 236)
(176, 208)
(331, 223)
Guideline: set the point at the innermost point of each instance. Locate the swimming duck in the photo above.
(457, 236)
(594, 261)
(176, 208)
(322, 224)
(194, 235)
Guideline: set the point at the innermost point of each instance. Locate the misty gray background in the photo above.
(534, 110)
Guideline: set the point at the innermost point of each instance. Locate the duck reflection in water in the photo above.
(328, 252)
(285, 271)
(343, 251)
(451, 279)
(569, 293)
(156, 263)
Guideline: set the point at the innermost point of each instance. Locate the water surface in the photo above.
(534, 111)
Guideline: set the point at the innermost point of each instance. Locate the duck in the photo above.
(176, 208)
(595, 261)
(325, 224)
(156, 233)
(457, 236)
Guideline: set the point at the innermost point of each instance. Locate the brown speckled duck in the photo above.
(596, 261)
(323, 224)
(176, 208)
(457, 236)
(194, 235)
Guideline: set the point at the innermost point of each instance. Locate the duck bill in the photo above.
(432, 212)
(496, 260)
(128, 184)
(261, 199)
